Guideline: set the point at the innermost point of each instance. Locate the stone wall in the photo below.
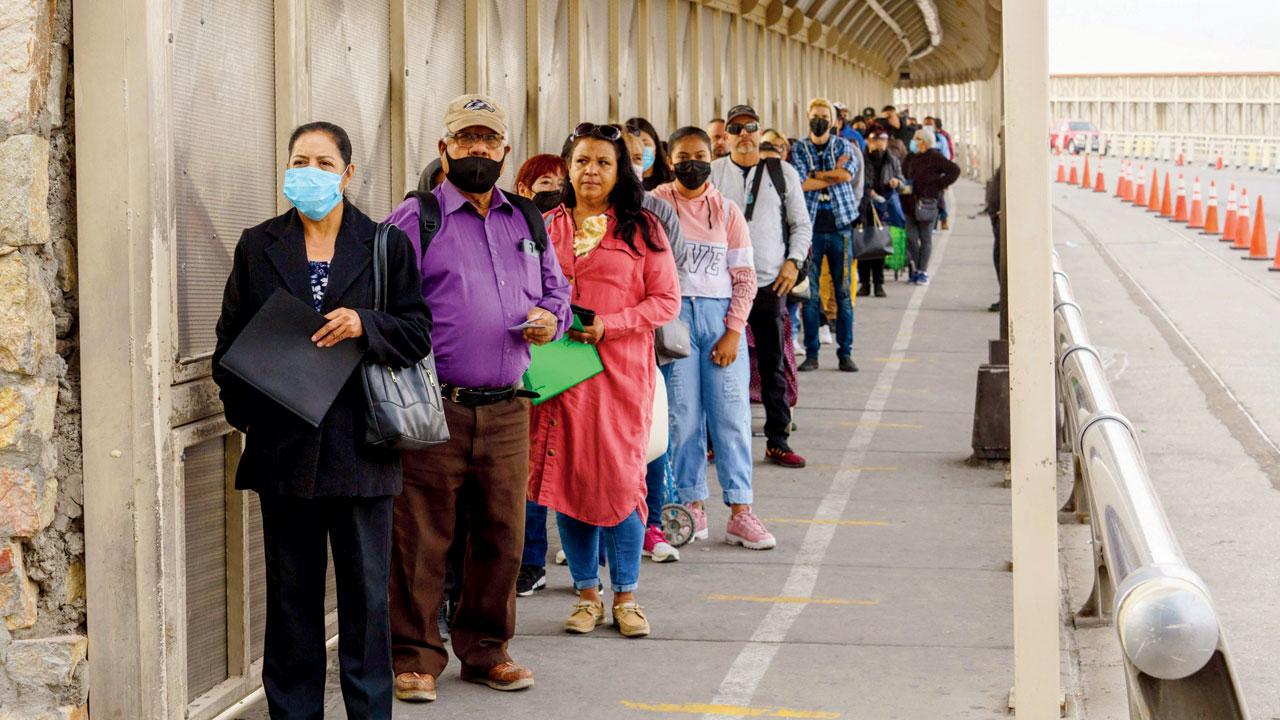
(42, 595)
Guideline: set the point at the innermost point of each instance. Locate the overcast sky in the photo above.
(1091, 36)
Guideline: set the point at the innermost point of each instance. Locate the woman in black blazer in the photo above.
(323, 485)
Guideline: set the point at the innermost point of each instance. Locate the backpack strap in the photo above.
(754, 195)
(533, 217)
(428, 217)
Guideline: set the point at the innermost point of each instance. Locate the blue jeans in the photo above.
(654, 476)
(793, 309)
(622, 544)
(837, 248)
(535, 534)
(702, 397)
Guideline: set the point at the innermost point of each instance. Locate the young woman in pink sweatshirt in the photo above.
(708, 391)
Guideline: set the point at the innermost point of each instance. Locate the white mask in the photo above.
(639, 170)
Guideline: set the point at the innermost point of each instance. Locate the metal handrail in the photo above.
(1175, 655)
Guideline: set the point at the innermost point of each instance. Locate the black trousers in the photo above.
(767, 327)
(295, 534)
(871, 272)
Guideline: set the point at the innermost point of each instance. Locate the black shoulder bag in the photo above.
(406, 411)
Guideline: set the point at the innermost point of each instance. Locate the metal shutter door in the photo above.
(434, 54)
(223, 91)
(553, 64)
(351, 86)
(507, 82)
(205, 501)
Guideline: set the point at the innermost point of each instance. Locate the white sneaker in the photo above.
(797, 347)
(560, 558)
(824, 335)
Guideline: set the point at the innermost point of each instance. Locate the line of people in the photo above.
(710, 235)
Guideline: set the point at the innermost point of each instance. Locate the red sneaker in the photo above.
(784, 456)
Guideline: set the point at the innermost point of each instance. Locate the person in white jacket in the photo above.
(781, 233)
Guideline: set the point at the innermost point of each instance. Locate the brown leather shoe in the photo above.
(504, 676)
(415, 687)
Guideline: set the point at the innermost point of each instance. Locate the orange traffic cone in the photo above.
(1075, 175)
(1062, 170)
(1086, 182)
(1166, 199)
(1180, 161)
(1122, 184)
(1153, 202)
(1180, 207)
(1196, 220)
(1258, 241)
(1242, 236)
(1218, 165)
(1211, 215)
(1233, 211)
(1100, 185)
(1140, 197)
(1275, 267)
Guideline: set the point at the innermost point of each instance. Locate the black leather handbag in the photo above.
(871, 240)
(406, 410)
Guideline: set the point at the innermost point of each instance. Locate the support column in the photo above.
(1031, 363)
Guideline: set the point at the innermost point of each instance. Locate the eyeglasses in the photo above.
(736, 128)
(604, 132)
(465, 139)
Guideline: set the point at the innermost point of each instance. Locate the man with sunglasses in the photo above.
(494, 286)
(770, 194)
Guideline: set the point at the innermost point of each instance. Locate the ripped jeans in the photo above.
(704, 397)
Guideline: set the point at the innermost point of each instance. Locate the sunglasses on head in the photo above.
(604, 132)
(737, 128)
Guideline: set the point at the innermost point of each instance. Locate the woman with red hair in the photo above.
(541, 179)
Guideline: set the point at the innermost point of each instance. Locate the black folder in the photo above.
(275, 355)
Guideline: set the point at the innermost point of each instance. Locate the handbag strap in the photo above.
(380, 267)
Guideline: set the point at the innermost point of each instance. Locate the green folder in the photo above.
(558, 366)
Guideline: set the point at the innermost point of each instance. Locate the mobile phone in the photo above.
(585, 316)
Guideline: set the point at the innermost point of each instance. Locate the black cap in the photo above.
(868, 112)
(737, 110)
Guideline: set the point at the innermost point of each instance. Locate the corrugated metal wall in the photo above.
(434, 56)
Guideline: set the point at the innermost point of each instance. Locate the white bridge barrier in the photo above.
(1177, 666)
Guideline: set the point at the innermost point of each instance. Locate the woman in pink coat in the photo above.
(587, 451)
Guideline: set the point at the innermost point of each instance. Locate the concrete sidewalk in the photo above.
(888, 595)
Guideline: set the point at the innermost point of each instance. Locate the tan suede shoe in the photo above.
(503, 676)
(415, 687)
(630, 620)
(586, 615)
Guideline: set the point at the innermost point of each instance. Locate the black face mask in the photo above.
(819, 126)
(474, 174)
(693, 173)
(548, 200)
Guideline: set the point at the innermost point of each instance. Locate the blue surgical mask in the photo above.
(314, 192)
(913, 145)
(646, 159)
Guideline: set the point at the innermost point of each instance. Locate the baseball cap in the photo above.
(737, 110)
(475, 109)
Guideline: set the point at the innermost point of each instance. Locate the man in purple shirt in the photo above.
(494, 286)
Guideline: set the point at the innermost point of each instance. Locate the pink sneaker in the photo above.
(656, 546)
(745, 529)
(699, 523)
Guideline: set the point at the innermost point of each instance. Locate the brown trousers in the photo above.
(482, 472)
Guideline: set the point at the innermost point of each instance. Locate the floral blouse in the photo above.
(319, 281)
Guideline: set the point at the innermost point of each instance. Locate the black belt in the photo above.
(476, 397)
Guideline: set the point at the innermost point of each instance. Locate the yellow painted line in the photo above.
(895, 360)
(728, 710)
(791, 600)
(891, 425)
(856, 468)
(810, 521)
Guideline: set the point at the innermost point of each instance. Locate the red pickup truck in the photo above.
(1077, 136)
